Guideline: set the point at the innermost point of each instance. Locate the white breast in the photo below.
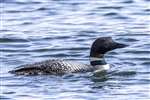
(102, 68)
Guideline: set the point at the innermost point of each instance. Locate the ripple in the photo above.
(111, 14)
(5, 40)
(115, 15)
(18, 11)
(135, 34)
(147, 10)
(129, 63)
(141, 59)
(146, 0)
(42, 8)
(22, 3)
(26, 23)
(10, 92)
(138, 52)
(57, 49)
(129, 40)
(5, 98)
(9, 50)
(49, 38)
(125, 73)
(128, 1)
(145, 63)
(111, 7)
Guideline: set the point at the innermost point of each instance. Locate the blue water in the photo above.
(36, 30)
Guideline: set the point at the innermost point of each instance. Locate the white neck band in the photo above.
(95, 59)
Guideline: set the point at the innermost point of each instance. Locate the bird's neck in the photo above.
(98, 60)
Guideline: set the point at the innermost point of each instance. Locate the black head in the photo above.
(104, 44)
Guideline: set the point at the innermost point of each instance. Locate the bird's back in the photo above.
(55, 67)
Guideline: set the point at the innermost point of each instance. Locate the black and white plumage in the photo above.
(57, 67)
(52, 67)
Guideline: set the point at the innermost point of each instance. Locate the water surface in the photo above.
(36, 30)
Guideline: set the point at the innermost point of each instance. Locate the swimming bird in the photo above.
(59, 67)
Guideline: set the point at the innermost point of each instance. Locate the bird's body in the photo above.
(59, 67)
(52, 67)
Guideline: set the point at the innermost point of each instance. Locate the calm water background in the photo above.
(35, 30)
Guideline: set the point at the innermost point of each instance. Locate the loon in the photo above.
(59, 67)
